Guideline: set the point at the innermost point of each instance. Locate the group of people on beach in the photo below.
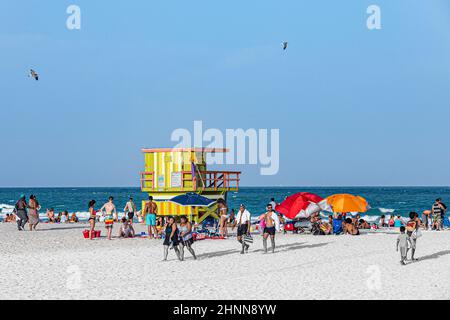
(179, 235)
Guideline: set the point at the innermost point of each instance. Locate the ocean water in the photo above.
(401, 199)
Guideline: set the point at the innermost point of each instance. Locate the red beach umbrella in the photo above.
(299, 205)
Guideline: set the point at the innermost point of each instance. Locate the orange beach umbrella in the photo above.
(345, 203)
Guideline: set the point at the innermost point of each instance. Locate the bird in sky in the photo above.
(33, 74)
(284, 45)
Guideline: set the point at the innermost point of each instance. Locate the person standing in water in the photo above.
(111, 213)
(130, 209)
(92, 218)
(186, 239)
(243, 227)
(21, 212)
(272, 225)
(33, 212)
(171, 238)
(150, 211)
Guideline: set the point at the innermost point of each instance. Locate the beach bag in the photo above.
(417, 234)
(248, 239)
(337, 226)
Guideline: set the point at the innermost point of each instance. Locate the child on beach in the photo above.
(402, 243)
(126, 229)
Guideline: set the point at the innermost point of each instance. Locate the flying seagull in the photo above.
(285, 45)
(33, 74)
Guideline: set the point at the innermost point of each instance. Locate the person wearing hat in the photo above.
(130, 209)
(21, 212)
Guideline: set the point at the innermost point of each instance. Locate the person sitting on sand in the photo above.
(398, 222)
(51, 215)
(73, 218)
(7, 218)
(349, 228)
(363, 224)
(160, 224)
(391, 221)
(64, 218)
(126, 229)
(383, 223)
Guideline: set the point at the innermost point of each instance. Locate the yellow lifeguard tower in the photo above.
(171, 172)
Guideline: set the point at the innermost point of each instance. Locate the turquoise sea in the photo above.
(402, 199)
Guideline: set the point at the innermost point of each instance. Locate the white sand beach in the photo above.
(56, 262)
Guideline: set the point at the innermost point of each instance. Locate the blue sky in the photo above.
(354, 107)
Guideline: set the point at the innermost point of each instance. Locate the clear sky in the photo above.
(354, 107)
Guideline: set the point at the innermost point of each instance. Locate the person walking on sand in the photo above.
(272, 224)
(413, 232)
(150, 211)
(437, 211)
(92, 218)
(186, 239)
(111, 213)
(243, 227)
(21, 212)
(171, 239)
(130, 209)
(402, 243)
(33, 212)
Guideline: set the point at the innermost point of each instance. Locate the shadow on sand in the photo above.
(281, 248)
(434, 255)
(63, 228)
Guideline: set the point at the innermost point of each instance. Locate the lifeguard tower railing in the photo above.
(201, 181)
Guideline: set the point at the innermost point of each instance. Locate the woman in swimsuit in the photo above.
(186, 238)
(223, 211)
(92, 218)
(171, 238)
(33, 212)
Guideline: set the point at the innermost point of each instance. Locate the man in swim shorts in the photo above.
(272, 225)
(130, 209)
(110, 216)
(150, 211)
(243, 222)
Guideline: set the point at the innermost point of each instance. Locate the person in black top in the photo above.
(171, 238)
(21, 212)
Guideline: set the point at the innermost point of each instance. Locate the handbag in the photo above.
(248, 239)
(417, 234)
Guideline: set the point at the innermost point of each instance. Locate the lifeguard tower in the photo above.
(171, 172)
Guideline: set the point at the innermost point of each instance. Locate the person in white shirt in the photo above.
(243, 222)
(130, 209)
(273, 203)
(272, 224)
